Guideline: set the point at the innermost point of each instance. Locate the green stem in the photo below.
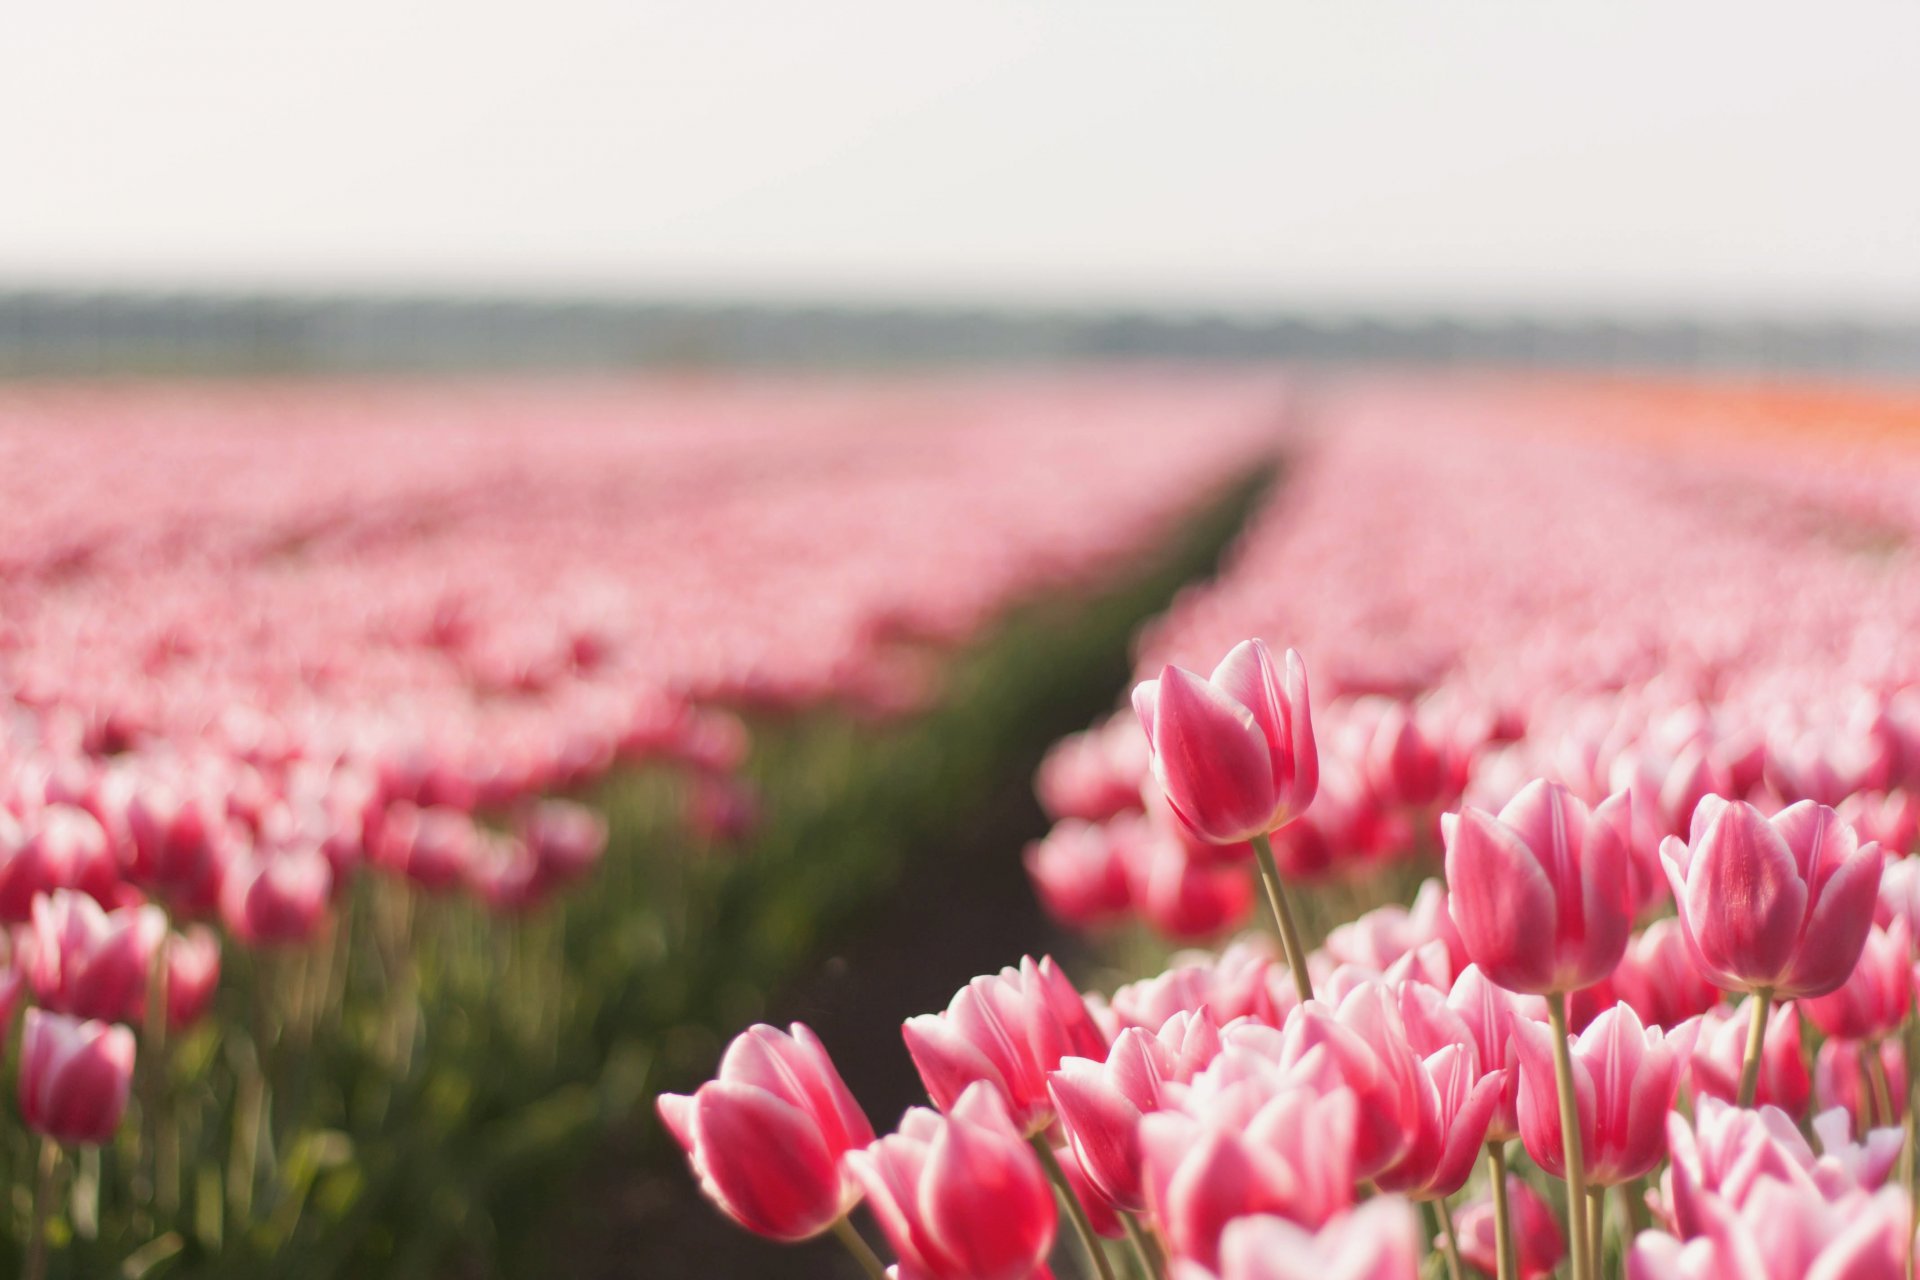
(1578, 1250)
(1756, 1042)
(1283, 917)
(1096, 1253)
(1597, 1227)
(35, 1265)
(1506, 1267)
(1144, 1247)
(1449, 1242)
(862, 1253)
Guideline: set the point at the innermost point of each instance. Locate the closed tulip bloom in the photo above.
(1778, 904)
(960, 1196)
(1876, 998)
(1842, 1077)
(1541, 893)
(277, 897)
(766, 1135)
(1658, 977)
(1625, 1076)
(1292, 1157)
(1720, 1048)
(1079, 874)
(1538, 1245)
(193, 975)
(1377, 1241)
(74, 1077)
(89, 962)
(1235, 752)
(1009, 1029)
(1489, 1013)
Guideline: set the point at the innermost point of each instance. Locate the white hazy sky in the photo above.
(1624, 157)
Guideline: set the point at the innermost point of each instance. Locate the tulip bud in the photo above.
(960, 1196)
(89, 962)
(1009, 1029)
(74, 1077)
(1235, 752)
(1541, 893)
(765, 1137)
(1779, 904)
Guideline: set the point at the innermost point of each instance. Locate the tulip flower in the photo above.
(1291, 1157)
(1079, 874)
(1377, 1241)
(1719, 1055)
(1776, 905)
(93, 963)
(1538, 1244)
(74, 1077)
(960, 1196)
(1876, 998)
(1540, 893)
(1625, 1076)
(1868, 1081)
(276, 897)
(1009, 1029)
(1658, 977)
(766, 1135)
(193, 975)
(1234, 752)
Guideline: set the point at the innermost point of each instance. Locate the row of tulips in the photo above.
(298, 738)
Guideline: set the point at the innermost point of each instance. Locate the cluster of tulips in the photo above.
(1652, 722)
(1251, 1115)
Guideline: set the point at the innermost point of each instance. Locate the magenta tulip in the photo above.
(1234, 752)
(1009, 1029)
(1625, 1076)
(1541, 893)
(1780, 905)
(766, 1135)
(74, 1077)
(960, 1196)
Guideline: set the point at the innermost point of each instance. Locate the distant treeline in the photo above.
(45, 333)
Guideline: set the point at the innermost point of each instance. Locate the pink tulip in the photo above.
(1658, 977)
(93, 963)
(1009, 1029)
(1876, 998)
(1489, 1013)
(1234, 752)
(1080, 874)
(1780, 904)
(47, 853)
(1538, 1245)
(276, 897)
(1540, 893)
(1377, 1241)
(74, 1077)
(1625, 1076)
(1719, 1053)
(960, 1196)
(1843, 1078)
(193, 975)
(1100, 1104)
(766, 1135)
(1291, 1156)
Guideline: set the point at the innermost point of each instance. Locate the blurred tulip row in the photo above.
(1586, 861)
(303, 692)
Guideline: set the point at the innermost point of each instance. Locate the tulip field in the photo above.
(1533, 795)
(1485, 825)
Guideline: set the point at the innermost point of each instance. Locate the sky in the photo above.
(1618, 158)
